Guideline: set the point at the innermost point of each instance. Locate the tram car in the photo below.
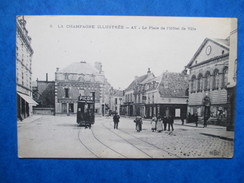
(86, 110)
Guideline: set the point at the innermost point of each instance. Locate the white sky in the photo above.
(124, 53)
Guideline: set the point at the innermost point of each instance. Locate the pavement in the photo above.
(211, 130)
(60, 137)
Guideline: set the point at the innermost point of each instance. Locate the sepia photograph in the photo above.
(125, 87)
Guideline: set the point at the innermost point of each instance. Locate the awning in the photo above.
(28, 99)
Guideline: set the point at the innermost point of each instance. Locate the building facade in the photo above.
(167, 92)
(24, 54)
(208, 79)
(150, 96)
(133, 95)
(44, 95)
(231, 85)
(117, 101)
(80, 78)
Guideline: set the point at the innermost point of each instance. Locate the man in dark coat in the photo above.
(165, 121)
(196, 118)
(171, 122)
(138, 122)
(116, 120)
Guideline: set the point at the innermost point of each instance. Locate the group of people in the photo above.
(159, 124)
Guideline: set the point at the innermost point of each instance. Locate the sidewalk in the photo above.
(210, 130)
(30, 119)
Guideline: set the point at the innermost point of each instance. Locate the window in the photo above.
(116, 101)
(66, 92)
(207, 81)
(225, 77)
(193, 83)
(216, 79)
(200, 83)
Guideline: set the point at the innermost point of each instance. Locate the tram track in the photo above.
(95, 140)
(101, 143)
(127, 141)
(144, 142)
(107, 145)
(86, 147)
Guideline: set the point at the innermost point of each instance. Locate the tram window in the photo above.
(66, 91)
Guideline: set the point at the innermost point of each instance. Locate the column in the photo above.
(67, 106)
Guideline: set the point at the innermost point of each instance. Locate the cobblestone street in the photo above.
(59, 136)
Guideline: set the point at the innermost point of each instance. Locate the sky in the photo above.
(126, 46)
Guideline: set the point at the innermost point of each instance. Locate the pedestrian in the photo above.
(166, 118)
(153, 123)
(171, 122)
(159, 124)
(138, 122)
(116, 120)
(189, 118)
(196, 118)
(165, 122)
(182, 119)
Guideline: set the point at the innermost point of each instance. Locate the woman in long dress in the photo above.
(154, 123)
(159, 125)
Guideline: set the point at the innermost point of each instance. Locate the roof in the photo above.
(116, 92)
(173, 85)
(136, 81)
(79, 67)
(148, 80)
(221, 42)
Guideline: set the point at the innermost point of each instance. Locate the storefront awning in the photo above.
(28, 99)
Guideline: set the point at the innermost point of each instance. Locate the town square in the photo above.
(131, 99)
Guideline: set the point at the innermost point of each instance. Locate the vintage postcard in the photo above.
(125, 87)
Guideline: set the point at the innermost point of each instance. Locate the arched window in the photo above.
(200, 83)
(207, 81)
(216, 79)
(193, 83)
(225, 77)
(187, 92)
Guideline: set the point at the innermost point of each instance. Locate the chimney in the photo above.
(46, 77)
(57, 69)
(148, 71)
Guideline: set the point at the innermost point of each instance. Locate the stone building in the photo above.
(148, 95)
(43, 94)
(24, 54)
(116, 101)
(80, 78)
(168, 91)
(231, 85)
(133, 95)
(208, 79)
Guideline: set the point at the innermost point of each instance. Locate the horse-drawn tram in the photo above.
(86, 110)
